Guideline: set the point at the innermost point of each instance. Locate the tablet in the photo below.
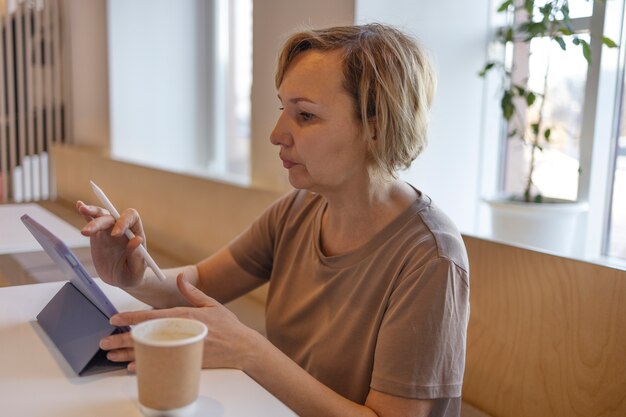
(65, 259)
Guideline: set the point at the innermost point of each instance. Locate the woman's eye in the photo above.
(306, 116)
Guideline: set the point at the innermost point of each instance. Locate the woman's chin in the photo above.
(299, 185)
(299, 181)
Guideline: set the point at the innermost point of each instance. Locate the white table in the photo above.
(15, 238)
(35, 380)
(22, 260)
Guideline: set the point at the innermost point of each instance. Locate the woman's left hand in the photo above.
(225, 345)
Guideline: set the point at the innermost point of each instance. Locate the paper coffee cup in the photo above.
(168, 354)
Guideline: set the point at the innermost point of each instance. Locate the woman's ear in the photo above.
(372, 127)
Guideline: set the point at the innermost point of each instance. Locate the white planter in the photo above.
(550, 226)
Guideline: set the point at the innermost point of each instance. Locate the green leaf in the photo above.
(576, 40)
(512, 133)
(488, 66)
(565, 11)
(609, 42)
(529, 5)
(538, 199)
(508, 34)
(545, 11)
(565, 31)
(530, 98)
(546, 135)
(586, 50)
(507, 105)
(561, 42)
(535, 128)
(521, 90)
(536, 28)
(504, 6)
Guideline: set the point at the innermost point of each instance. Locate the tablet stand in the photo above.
(76, 326)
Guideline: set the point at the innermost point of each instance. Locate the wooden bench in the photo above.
(547, 335)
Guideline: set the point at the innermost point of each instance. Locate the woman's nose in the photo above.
(280, 135)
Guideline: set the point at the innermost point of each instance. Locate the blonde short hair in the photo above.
(390, 79)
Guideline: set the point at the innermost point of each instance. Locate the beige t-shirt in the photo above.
(391, 315)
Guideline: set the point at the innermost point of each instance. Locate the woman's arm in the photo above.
(233, 345)
(218, 276)
(308, 397)
(118, 263)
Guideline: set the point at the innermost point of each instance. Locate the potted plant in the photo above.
(531, 218)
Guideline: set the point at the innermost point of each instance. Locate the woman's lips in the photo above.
(287, 163)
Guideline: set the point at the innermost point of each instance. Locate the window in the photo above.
(556, 173)
(581, 106)
(565, 74)
(180, 75)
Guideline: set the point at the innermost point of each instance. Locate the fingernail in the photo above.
(105, 344)
(111, 356)
(115, 320)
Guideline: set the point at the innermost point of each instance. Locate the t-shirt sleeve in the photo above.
(420, 351)
(253, 249)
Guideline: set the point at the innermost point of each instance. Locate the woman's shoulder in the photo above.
(442, 233)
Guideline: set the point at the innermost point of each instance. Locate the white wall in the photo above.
(455, 33)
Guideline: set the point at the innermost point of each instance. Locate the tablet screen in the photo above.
(65, 259)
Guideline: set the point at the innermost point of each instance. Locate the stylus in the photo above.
(129, 234)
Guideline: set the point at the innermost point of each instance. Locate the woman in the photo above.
(368, 300)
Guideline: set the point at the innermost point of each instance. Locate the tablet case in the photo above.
(77, 317)
(76, 326)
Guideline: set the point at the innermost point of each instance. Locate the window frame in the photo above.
(599, 128)
(618, 150)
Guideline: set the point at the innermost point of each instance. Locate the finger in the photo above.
(129, 219)
(116, 341)
(135, 317)
(98, 224)
(90, 212)
(195, 297)
(83, 211)
(121, 355)
(132, 367)
(93, 211)
(132, 246)
(136, 263)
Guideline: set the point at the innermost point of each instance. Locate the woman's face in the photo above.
(319, 136)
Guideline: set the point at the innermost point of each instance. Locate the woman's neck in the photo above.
(354, 217)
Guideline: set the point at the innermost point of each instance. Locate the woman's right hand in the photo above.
(117, 260)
